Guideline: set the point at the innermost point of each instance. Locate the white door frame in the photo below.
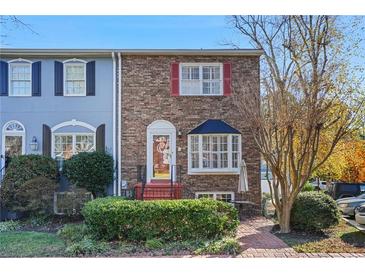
(5, 132)
(160, 127)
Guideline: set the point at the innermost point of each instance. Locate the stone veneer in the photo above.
(146, 98)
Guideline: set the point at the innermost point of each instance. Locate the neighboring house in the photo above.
(56, 102)
(168, 115)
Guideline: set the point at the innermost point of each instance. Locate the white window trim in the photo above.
(71, 62)
(11, 133)
(72, 122)
(207, 171)
(73, 134)
(215, 193)
(201, 65)
(19, 62)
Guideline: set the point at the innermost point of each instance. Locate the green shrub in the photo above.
(72, 233)
(154, 244)
(313, 211)
(22, 169)
(308, 187)
(114, 218)
(35, 196)
(225, 246)
(9, 226)
(86, 247)
(90, 170)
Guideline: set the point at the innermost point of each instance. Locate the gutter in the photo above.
(8, 52)
(119, 123)
(114, 123)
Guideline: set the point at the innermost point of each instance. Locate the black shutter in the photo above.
(46, 140)
(100, 138)
(4, 78)
(90, 78)
(58, 78)
(36, 79)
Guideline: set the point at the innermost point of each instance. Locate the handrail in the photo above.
(175, 176)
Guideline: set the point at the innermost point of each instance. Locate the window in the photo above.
(20, 79)
(214, 153)
(75, 78)
(201, 79)
(67, 144)
(220, 196)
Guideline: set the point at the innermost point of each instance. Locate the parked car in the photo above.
(344, 190)
(347, 205)
(360, 215)
(322, 185)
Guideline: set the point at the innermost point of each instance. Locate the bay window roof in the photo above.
(214, 126)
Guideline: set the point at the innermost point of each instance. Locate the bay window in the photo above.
(214, 153)
(201, 79)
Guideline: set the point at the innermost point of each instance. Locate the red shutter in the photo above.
(227, 79)
(174, 79)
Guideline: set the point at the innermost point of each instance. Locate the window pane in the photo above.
(75, 72)
(195, 160)
(20, 72)
(225, 197)
(63, 146)
(205, 195)
(75, 87)
(84, 143)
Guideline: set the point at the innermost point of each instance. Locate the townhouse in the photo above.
(168, 117)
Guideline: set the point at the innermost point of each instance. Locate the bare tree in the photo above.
(9, 23)
(305, 77)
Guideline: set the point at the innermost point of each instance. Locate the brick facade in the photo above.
(146, 98)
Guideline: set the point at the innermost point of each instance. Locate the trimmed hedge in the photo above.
(115, 218)
(314, 211)
(22, 169)
(36, 196)
(90, 170)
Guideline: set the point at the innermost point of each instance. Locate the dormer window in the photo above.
(20, 78)
(75, 78)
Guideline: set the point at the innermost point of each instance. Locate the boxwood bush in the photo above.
(90, 170)
(22, 169)
(35, 196)
(115, 218)
(314, 211)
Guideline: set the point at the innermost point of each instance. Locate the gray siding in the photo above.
(49, 109)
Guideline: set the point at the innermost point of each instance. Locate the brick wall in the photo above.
(146, 98)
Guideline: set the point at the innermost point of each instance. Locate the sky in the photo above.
(123, 32)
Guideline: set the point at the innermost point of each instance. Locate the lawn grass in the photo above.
(342, 238)
(30, 244)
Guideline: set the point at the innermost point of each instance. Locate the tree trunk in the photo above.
(284, 218)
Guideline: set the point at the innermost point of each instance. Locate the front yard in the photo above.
(342, 238)
(31, 244)
(49, 244)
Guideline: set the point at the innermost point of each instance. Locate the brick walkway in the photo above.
(257, 242)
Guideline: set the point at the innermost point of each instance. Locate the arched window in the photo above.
(13, 139)
(72, 137)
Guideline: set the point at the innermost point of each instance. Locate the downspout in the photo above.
(114, 124)
(119, 123)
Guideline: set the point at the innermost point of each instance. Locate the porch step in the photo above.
(159, 191)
